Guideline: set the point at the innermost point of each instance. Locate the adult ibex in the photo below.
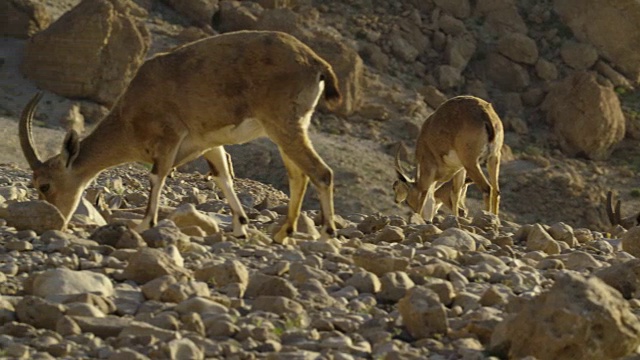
(226, 89)
(462, 133)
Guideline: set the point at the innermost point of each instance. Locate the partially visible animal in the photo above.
(221, 90)
(461, 134)
(615, 214)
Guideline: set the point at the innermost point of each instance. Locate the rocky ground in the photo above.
(552, 279)
(384, 288)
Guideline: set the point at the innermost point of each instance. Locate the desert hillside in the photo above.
(562, 76)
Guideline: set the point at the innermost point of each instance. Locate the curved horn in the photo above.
(24, 131)
(398, 166)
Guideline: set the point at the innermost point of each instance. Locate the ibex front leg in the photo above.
(298, 182)
(164, 159)
(221, 171)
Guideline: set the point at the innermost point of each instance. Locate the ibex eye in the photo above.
(44, 188)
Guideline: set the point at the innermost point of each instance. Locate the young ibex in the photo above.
(462, 133)
(226, 89)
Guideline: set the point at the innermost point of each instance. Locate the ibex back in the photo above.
(222, 90)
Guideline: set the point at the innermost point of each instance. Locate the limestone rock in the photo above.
(579, 56)
(631, 241)
(200, 305)
(119, 236)
(364, 282)
(187, 215)
(90, 52)
(87, 211)
(457, 239)
(546, 70)
(422, 313)
(139, 328)
(586, 116)
(199, 11)
(23, 18)
(261, 284)
(500, 17)
(379, 263)
(278, 305)
(394, 286)
(539, 239)
(506, 74)
(581, 311)
(519, 47)
(458, 8)
(166, 234)
(611, 26)
(235, 16)
(181, 291)
(39, 312)
(148, 264)
(36, 215)
(223, 274)
(183, 349)
(63, 281)
(624, 277)
(104, 327)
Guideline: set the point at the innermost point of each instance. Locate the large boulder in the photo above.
(505, 74)
(587, 117)
(22, 18)
(577, 318)
(90, 52)
(612, 26)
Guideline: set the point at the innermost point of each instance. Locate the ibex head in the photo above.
(54, 179)
(405, 188)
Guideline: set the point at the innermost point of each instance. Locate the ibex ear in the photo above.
(70, 147)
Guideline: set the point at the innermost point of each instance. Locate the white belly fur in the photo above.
(249, 129)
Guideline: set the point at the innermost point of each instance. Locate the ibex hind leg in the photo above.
(458, 193)
(493, 167)
(298, 182)
(298, 150)
(221, 170)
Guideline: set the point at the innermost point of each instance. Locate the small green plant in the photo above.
(635, 193)
(620, 90)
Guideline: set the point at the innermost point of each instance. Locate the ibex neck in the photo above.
(106, 146)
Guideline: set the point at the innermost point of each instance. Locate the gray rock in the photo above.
(262, 285)
(63, 281)
(422, 313)
(394, 286)
(573, 305)
(223, 274)
(166, 234)
(148, 264)
(36, 215)
(187, 215)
